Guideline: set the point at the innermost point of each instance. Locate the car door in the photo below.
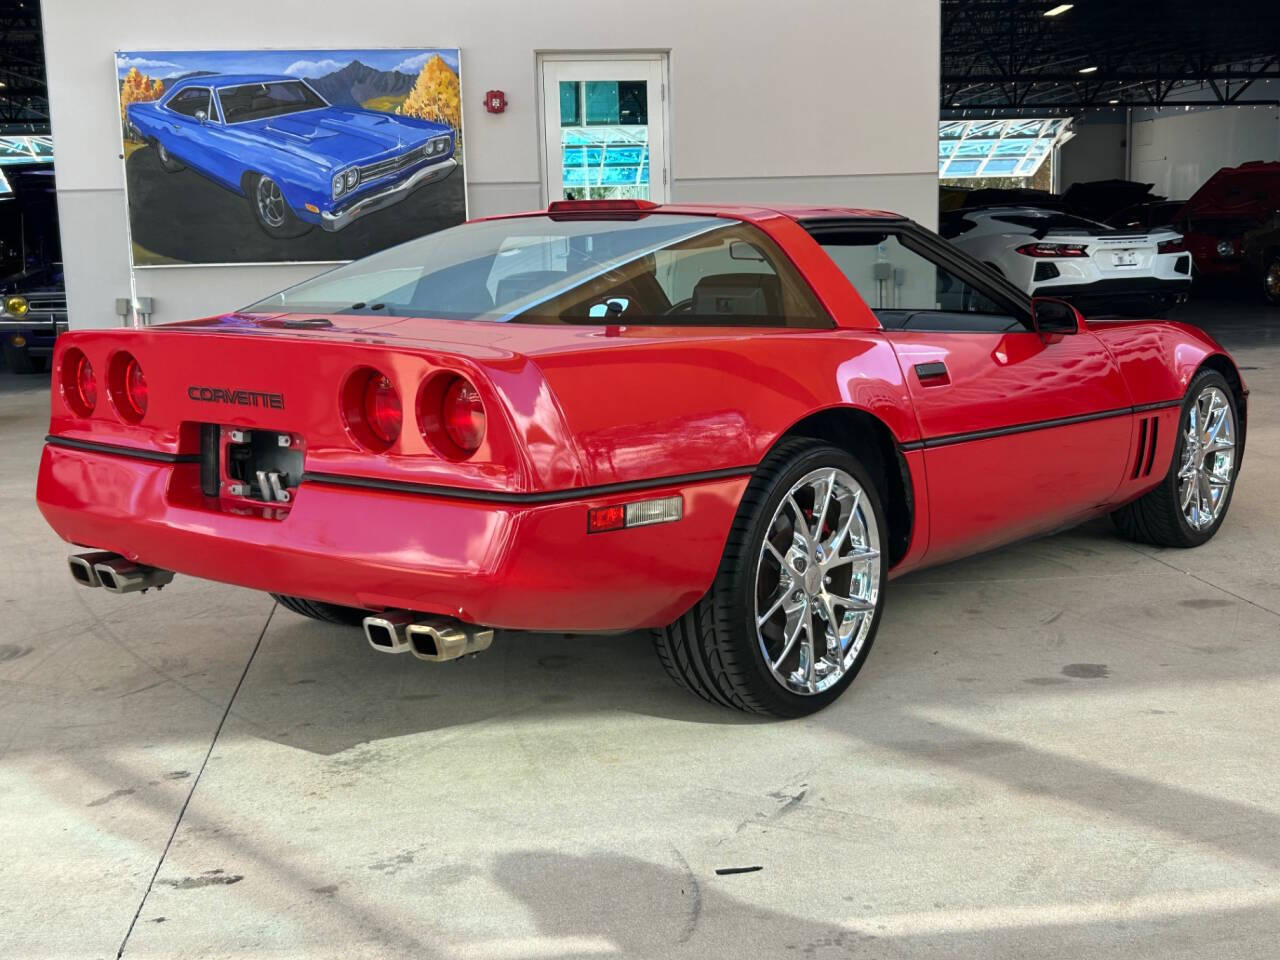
(1022, 433)
(182, 136)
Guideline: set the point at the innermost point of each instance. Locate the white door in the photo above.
(605, 123)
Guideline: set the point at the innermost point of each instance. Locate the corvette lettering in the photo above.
(241, 398)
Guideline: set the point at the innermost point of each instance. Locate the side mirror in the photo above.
(1054, 316)
(201, 116)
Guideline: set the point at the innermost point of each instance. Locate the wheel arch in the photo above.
(865, 435)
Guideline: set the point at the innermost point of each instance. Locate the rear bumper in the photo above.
(1119, 293)
(518, 566)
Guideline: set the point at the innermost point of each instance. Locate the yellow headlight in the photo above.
(16, 305)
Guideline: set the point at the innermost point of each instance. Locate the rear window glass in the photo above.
(657, 269)
(1048, 221)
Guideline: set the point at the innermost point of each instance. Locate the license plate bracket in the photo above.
(259, 465)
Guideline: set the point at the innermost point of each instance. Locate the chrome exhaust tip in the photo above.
(123, 576)
(386, 634)
(438, 639)
(82, 567)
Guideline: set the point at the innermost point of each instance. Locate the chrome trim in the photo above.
(817, 576)
(393, 194)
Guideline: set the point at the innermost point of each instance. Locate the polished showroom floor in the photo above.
(1067, 748)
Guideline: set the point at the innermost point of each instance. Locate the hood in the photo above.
(344, 135)
(1249, 191)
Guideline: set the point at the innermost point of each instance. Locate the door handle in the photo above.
(932, 374)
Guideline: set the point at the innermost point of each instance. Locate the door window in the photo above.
(187, 102)
(907, 289)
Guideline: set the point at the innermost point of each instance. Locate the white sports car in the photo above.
(1053, 254)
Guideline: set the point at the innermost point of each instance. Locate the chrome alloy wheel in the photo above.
(270, 202)
(817, 581)
(1208, 458)
(164, 154)
(1271, 279)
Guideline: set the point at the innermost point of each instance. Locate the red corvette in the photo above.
(730, 425)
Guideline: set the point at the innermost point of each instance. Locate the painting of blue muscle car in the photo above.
(316, 142)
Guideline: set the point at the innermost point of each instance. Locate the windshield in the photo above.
(254, 101)
(656, 269)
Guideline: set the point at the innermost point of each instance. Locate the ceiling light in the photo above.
(1060, 8)
(3, 84)
(1113, 101)
(1088, 69)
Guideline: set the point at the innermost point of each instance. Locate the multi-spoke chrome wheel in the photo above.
(1208, 458)
(270, 202)
(817, 581)
(1271, 281)
(1189, 503)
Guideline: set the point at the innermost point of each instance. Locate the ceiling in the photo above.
(1006, 58)
(24, 99)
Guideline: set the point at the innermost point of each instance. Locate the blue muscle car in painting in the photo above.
(299, 160)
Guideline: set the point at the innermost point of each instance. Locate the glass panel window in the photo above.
(892, 277)
(187, 102)
(659, 269)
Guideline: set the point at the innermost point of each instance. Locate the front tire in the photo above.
(20, 360)
(271, 210)
(324, 612)
(1271, 278)
(1189, 505)
(794, 608)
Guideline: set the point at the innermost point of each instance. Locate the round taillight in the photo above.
(372, 409)
(79, 383)
(462, 415)
(127, 387)
(135, 387)
(451, 415)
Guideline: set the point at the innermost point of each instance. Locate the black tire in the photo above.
(1269, 279)
(271, 211)
(20, 360)
(324, 612)
(1156, 517)
(712, 650)
(168, 163)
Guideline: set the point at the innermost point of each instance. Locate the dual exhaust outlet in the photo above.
(113, 572)
(430, 638)
(434, 639)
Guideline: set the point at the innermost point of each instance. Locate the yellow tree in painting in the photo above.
(137, 87)
(435, 95)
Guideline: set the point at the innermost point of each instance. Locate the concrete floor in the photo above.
(1062, 749)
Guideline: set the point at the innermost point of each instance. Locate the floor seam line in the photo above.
(1207, 583)
(182, 812)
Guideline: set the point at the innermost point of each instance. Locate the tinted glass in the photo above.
(187, 102)
(658, 269)
(892, 277)
(1045, 222)
(254, 101)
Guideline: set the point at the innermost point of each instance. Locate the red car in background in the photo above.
(729, 425)
(1232, 203)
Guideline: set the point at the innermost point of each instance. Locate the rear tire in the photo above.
(1174, 514)
(1271, 278)
(722, 652)
(324, 612)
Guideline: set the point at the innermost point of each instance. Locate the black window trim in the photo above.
(929, 245)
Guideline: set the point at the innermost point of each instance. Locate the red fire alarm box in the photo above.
(495, 101)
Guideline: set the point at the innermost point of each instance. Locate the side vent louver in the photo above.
(1145, 456)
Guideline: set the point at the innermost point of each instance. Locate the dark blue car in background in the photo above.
(299, 160)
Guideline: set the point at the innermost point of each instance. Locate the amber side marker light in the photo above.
(641, 513)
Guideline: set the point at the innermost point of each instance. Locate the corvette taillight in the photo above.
(127, 387)
(462, 414)
(1053, 250)
(451, 415)
(79, 385)
(1178, 245)
(371, 408)
(382, 409)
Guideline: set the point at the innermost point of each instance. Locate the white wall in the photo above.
(821, 101)
(1179, 149)
(1096, 152)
